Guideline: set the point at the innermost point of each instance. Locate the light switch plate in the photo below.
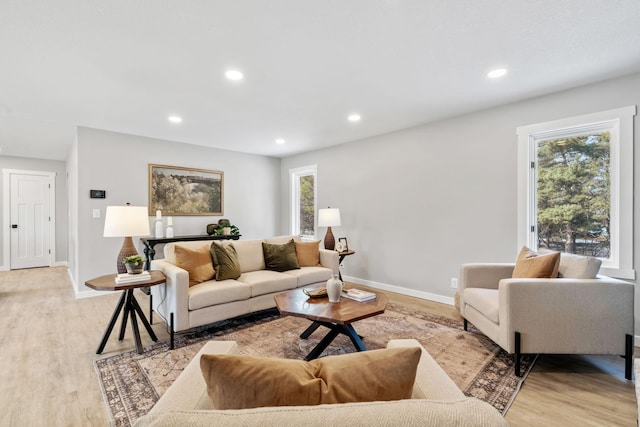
(96, 213)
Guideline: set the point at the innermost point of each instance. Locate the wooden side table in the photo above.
(127, 304)
(341, 256)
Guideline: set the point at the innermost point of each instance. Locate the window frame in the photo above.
(620, 123)
(294, 191)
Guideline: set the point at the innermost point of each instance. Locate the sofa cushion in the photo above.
(576, 266)
(484, 300)
(281, 240)
(169, 248)
(250, 256)
(197, 262)
(308, 253)
(310, 275)
(210, 293)
(238, 381)
(265, 281)
(532, 265)
(225, 261)
(280, 257)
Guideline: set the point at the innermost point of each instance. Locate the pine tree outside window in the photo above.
(575, 187)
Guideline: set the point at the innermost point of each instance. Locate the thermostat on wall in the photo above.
(97, 194)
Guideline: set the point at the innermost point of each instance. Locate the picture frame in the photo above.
(182, 191)
(343, 240)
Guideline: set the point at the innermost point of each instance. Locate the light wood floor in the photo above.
(48, 341)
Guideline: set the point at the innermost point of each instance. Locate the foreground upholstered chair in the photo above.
(568, 314)
(435, 401)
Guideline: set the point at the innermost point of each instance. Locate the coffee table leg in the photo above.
(349, 331)
(112, 323)
(311, 329)
(324, 343)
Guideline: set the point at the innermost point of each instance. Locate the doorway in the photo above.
(31, 218)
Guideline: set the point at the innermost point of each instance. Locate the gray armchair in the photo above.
(551, 316)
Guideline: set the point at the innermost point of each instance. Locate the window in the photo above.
(575, 187)
(303, 201)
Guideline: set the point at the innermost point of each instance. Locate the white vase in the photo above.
(159, 229)
(334, 288)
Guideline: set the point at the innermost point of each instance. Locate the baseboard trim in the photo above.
(400, 290)
(60, 264)
(91, 294)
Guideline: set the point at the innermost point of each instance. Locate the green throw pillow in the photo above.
(225, 261)
(280, 257)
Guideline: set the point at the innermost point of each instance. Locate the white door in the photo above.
(30, 220)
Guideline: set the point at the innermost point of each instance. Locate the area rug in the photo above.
(131, 383)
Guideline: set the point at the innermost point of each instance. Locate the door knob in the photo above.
(14, 225)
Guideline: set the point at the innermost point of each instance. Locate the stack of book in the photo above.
(132, 278)
(358, 295)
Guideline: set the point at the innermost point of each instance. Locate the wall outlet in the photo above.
(454, 283)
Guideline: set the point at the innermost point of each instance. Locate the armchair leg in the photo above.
(628, 356)
(466, 324)
(171, 343)
(517, 355)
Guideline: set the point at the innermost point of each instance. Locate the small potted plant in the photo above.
(226, 230)
(134, 264)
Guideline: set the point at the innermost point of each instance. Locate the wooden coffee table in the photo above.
(338, 317)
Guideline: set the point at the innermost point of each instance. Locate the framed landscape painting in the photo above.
(178, 191)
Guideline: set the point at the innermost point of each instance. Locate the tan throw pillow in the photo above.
(238, 381)
(225, 261)
(532, 265)
(280, 257)
(197, 263)
(308, 253)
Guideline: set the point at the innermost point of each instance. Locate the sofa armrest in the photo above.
(330, 260)
(484, 275)
(173, 295)
(574, 316)
(431, 381)
(189, 390)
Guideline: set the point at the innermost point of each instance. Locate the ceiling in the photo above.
(126, 65)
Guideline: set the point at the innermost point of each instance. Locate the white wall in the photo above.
(59, 169)
(417, 203)
(118, 163)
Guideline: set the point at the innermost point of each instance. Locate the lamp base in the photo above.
(329, 240)
(128, 249)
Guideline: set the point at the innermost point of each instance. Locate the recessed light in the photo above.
(234, 75)
(498, 72)
(354, 118)
(175, 119)
(280, 141)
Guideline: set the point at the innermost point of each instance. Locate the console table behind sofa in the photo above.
(150, 243)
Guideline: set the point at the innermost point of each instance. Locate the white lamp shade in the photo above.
(329, 217)
(124, 221)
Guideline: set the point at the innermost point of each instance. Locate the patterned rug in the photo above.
(131, 383)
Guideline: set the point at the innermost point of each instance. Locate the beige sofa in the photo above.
(186, 307)
(436, 401)
(578, 312)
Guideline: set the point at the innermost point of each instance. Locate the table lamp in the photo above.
(329, 218)
(126, 221)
